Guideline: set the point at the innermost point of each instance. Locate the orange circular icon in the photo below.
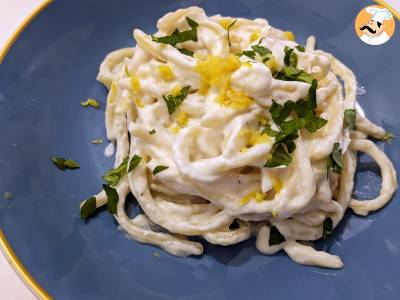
(374, 25)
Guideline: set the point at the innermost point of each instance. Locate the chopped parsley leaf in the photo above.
(134, 162)
(335, 162)
(174, 101)
(88, 207)
(63, 164)
(350, 118)
(159, 169)
(275, 237)
(112, 198)
(113, 176)
(327, 228)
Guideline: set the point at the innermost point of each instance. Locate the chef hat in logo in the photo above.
(379, 14)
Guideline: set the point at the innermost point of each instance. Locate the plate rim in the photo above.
(5, 246)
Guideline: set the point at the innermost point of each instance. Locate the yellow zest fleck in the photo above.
(166, 73)
(255, 35)
(112, 95)
(135, 84)
(176, 90)
(274, 213)
(277, 184)
(273, 64)
(216, 72)
(225, 22)
(139, 103)
(258, 196)
(182, 119)
(254, 137)
(174, 129)
(244, 149)
(234, 99)
(262, 120)
(156, 254)
(247, 64)
(127, 73)
(289, 35)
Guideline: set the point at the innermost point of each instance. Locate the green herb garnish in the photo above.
(293, 74)
(180, 37)
(289, 129)
(91, 102)
(88, 207)
(249, 54)
(228, 29)
(290, 57)
(275, 237)
(312, 94)
(350, 118)
(335, 162)
(153, 131)
(64, 164)
(174, 101)
(279, 157)
(300, 48)
(269, 131)
(97, 141)
(290, 71)
(134, 163)
(327, 228)
(388, 137)
(112, 198)
(186, 52)
(113, 176)
(159, 169)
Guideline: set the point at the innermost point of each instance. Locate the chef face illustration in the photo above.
(373, 30)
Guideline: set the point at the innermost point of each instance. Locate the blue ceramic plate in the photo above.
(53, 66)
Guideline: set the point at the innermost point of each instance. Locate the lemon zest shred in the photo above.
(139, 103)
(225, 22)
(165, 72)
(112, 94)
(244, 149)
(277, 184)
(127, 73)
(182, 119)
(289, 35)
(257, 196)
(254, 137)
(135, 84)
(234, 99)
(216, 72)
(247, 64)
(273, 64)
(176, 90)
(262, 120)
(255, 35)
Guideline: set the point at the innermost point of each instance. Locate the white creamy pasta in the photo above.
(227, 128)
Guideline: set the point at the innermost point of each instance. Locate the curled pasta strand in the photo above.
(109, 65)
(389, 180)
(226, 237)
(141, 231)
(365, 126)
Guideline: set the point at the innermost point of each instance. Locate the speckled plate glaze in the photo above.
(53, 66)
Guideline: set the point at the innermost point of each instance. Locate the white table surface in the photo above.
(12, 13)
